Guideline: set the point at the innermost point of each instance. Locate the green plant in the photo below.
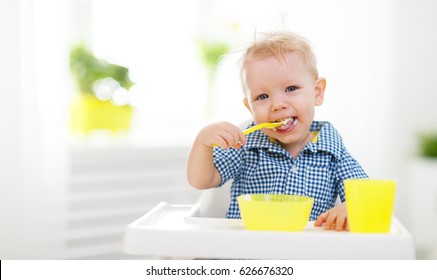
(428, 144)
(210, 55)
(211, 52)
(87, 69)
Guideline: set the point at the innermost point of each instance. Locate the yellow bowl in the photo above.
(277, 212)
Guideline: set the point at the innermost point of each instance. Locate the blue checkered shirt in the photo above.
(264, 166)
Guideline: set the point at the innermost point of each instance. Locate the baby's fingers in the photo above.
(241, 139)
(321, 219)
(237, 142)
(231, 139)
(331, 221)
(341, 222)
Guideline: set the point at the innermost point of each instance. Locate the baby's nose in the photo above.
(279, 104)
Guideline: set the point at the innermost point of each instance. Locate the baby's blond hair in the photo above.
(278, 44)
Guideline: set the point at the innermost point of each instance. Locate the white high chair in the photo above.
(186, 231)
(213, 203)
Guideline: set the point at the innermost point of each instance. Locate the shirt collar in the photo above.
(328, 140)
(258, 139)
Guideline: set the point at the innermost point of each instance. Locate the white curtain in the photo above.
(33, 118)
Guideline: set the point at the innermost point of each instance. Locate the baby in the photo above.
(302, 156)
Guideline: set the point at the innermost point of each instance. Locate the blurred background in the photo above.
(80, 159)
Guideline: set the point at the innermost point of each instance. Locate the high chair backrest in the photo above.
(214, 203)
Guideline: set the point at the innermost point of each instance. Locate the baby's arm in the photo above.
(201, 171)
(334, 218)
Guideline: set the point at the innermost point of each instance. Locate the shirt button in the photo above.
(294, 169)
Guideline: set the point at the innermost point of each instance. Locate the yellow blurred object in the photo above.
(276, 212)
(89, 113)
(370, 204)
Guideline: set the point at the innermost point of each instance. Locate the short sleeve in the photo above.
(227, 162)
(347, 168)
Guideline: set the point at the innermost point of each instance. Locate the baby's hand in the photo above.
(223, 134)
(334, 218)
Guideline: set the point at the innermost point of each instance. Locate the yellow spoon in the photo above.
(263, 125)
(259, 126)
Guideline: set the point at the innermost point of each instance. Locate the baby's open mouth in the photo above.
(287, 123)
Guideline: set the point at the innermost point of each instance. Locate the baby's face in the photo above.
(278, 90)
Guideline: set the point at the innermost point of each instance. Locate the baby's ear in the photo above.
(319, 91)
(246, 103)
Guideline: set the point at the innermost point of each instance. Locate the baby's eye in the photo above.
(290, 88)
(262, 96)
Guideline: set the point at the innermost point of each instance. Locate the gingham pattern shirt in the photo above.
(264, 166)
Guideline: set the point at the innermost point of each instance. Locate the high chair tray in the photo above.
(175, 231)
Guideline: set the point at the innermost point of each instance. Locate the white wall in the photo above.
(413, 103)
(33, 164)
(414, 70)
